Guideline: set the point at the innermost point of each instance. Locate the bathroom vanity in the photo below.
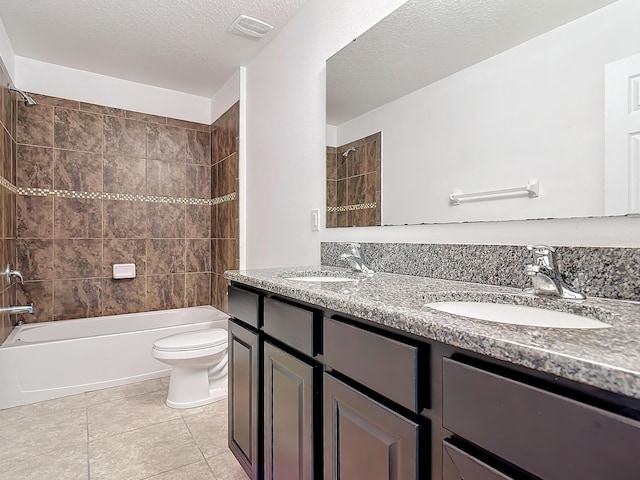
(359, 379)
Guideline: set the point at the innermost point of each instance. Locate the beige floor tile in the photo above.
(165, 382)
(63, 404)
(226, 467)
(61, 464)
(123, 391)
(122, 415)
(195, 471)
(142, 453)
(215, 408)
(24, 436)
(209, 431)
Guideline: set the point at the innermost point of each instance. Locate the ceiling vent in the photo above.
(250, 27)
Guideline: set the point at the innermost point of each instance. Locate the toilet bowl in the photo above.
(198, 362)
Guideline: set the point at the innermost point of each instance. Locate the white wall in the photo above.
(58, 81)
(6, 53)
(226, 97)
(286, 128)
(286, 153)
(242, 169)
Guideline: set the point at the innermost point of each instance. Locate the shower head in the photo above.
(345, 154)
(28, 101)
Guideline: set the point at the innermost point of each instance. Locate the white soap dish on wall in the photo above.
(124, 270)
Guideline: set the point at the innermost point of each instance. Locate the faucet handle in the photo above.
(9, 272)
(543, 255)
(541, 249)
(355, 247)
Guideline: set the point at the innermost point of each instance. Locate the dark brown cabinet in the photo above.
(318, 394)
(460, 465)
(364, 439)
(244, 355)
(288, 416)
(546, 434)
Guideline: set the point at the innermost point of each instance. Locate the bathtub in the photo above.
(48, 360)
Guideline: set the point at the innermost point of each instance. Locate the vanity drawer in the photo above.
(550, 436)
(382, 364)
(244, 306)
(292, 325)
(459, 465)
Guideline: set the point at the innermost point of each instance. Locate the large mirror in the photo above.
(475, 111)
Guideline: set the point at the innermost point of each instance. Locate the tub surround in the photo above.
(607, 358)
(99, 185)
(606, 272)
(225, 223)
(7, 196)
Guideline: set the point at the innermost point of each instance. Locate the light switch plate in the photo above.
(315, 220)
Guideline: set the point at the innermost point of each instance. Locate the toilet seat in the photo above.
(188, 341)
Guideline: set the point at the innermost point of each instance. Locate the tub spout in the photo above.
(17, 309)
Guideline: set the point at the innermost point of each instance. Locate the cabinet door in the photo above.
(459, 465)
(244, 397)
(288, 416)
(365, 440)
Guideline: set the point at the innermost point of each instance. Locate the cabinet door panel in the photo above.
(459, 465)
(288, 416)
(244, 397)
(365, 440)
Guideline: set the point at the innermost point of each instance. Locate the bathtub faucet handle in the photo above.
(10, 272)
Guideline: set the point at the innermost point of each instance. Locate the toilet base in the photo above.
(190, 387)
(215, 394)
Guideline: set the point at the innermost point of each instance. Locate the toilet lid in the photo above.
(192, 340)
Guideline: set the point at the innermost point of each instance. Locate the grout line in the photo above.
(86, 409)
(156, 475)
(204, 457)
(133, 429)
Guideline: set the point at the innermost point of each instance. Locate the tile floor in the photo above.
(122, 433)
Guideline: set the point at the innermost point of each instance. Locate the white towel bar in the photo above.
(532, 188)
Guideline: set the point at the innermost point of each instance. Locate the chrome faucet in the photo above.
(17, 309)
(354, 259)
(545, 278)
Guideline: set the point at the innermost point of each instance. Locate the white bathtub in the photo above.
(55, 359)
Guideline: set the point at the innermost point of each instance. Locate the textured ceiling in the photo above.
(182, 45)
(426, 40)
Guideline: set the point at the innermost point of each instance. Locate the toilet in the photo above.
(198, 362)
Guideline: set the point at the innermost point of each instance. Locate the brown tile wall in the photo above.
(224, 216)
(7, 197)
(353, 180)
(66, 246)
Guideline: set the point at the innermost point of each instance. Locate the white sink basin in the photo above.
(517, 315)
(321, 279)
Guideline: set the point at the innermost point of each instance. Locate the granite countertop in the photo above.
(607, 358)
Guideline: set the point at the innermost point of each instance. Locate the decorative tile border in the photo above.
(8, 185)
(225, 198)
(351, 208)
(45, 192)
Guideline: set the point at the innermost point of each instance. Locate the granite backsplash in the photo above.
(605, 272)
